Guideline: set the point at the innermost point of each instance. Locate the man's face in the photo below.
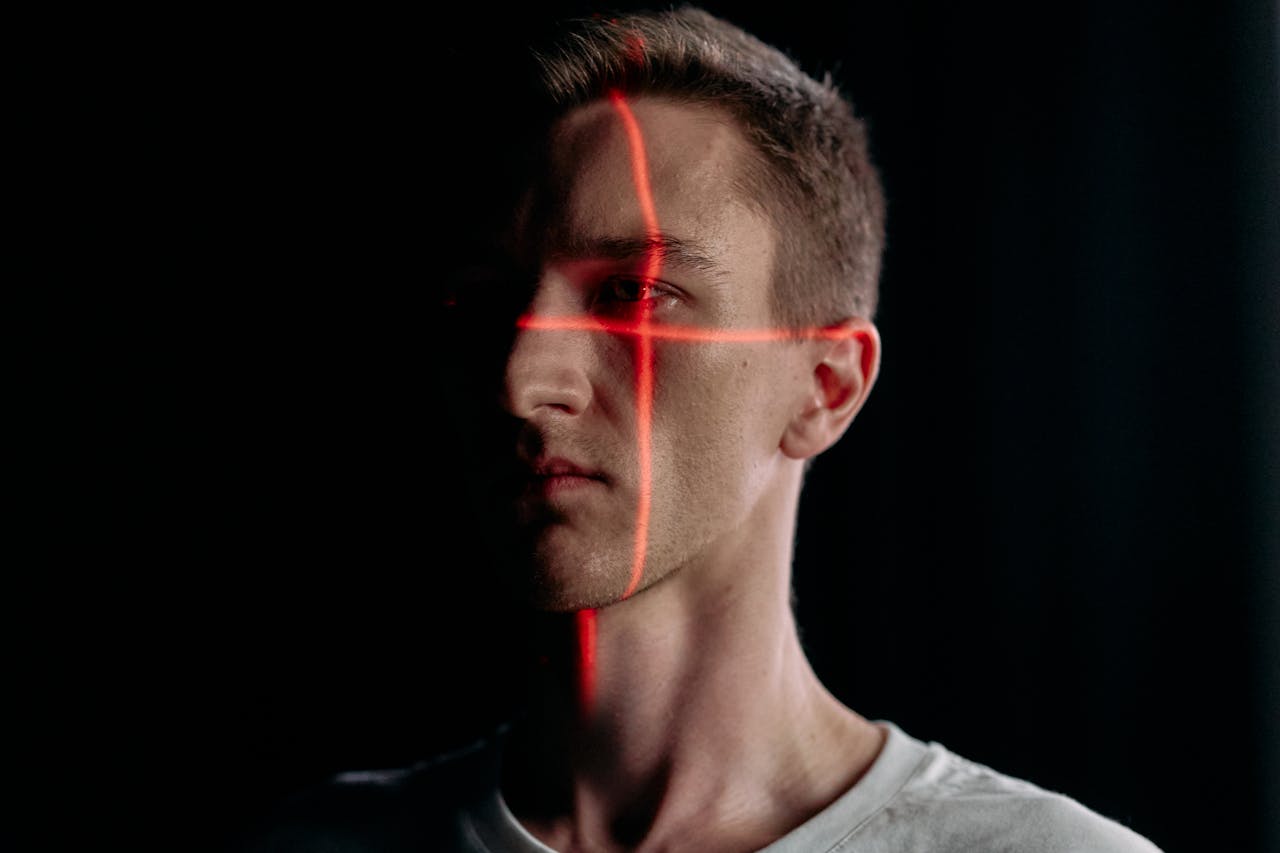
(719, 408)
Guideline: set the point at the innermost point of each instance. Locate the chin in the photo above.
(548, 595)
(563, 583)
(558, 601)
(551, 597)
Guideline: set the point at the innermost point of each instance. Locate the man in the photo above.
(697, 250)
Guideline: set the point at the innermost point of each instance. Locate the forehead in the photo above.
(690, 158)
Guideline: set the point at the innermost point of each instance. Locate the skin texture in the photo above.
(709, 730)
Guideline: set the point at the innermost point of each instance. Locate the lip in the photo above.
(554, 476)
(559, 484)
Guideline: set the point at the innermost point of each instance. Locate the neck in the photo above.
(700, 714)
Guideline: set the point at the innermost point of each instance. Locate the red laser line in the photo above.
(644, 355)
(681, 332)
(585, 621)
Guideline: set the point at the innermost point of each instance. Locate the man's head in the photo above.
(697, 200)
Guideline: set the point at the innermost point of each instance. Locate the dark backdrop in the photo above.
(1049, 542)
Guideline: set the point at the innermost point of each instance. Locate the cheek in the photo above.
(706, 412)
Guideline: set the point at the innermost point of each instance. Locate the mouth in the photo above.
(556, 477)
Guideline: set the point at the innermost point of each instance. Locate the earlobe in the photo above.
(841, 378)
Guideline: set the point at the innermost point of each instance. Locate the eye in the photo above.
(626, 292)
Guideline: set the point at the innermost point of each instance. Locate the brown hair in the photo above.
(814, 179)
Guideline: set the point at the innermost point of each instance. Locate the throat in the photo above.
(696, 725)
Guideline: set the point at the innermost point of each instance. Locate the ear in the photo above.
(845, 365)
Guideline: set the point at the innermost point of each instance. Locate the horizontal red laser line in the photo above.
(679, 332)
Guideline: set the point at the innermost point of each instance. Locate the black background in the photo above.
(1049, 542)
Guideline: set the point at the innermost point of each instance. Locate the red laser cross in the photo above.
(645, 332)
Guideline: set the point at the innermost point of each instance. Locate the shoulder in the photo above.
(406, 808)
(954, 803)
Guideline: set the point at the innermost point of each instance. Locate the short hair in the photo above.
(813, 178)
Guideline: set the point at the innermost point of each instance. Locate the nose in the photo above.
(548, 369)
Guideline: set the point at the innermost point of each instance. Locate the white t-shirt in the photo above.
(916, 796)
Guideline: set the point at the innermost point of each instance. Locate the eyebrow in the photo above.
(674, 251)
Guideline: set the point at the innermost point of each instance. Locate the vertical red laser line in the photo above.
(586, 624)
(644, 355)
